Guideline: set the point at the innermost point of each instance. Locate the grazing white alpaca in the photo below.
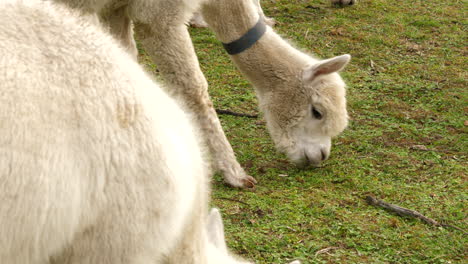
(98, 165)
(303, 98)
(162, 31)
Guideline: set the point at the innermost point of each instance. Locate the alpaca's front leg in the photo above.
(171, 48)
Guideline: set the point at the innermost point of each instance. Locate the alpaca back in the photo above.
(97, 164)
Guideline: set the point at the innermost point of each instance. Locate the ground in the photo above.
(406, 143)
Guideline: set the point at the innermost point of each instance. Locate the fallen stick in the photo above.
(325, 250)
(228, 112)
(232, 200)
(407, 212)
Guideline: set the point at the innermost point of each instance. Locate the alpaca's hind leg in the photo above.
(169, 45)
(121, 27)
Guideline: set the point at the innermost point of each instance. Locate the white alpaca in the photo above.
(162, 31)
(303, 98)
(98, 164)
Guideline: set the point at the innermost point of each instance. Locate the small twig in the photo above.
(325, 250)
(228, 112)
(454, 227)
(232, 200)
(290, 228)
(407, 212)
(400, 210)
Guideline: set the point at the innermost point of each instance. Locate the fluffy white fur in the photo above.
(272, 65)
(98, 164)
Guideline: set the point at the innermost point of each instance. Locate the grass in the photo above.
(407, 89)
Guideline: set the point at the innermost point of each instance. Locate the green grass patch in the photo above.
(407, 89)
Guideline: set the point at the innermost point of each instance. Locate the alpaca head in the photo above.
(218, 249)
(303, 113)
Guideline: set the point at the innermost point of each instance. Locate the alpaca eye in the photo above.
(316, 113)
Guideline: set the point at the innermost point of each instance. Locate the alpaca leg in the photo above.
(121, 27)
(169, 45)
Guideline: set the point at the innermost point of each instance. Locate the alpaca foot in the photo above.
(269, 21)
(343, 2)
(249, 182)
(238, 178)
(198, 21)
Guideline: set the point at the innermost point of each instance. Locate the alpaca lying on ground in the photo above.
(309, 108)
(98, 165)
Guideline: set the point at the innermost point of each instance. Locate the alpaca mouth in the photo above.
(311, 156)
(308, 161)
(324, 155)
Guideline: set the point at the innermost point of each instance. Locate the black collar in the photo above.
(247, 40)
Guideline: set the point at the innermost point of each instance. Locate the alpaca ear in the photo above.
(215, 230)
(325, 67)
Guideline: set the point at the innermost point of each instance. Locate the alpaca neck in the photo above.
(270, 60)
